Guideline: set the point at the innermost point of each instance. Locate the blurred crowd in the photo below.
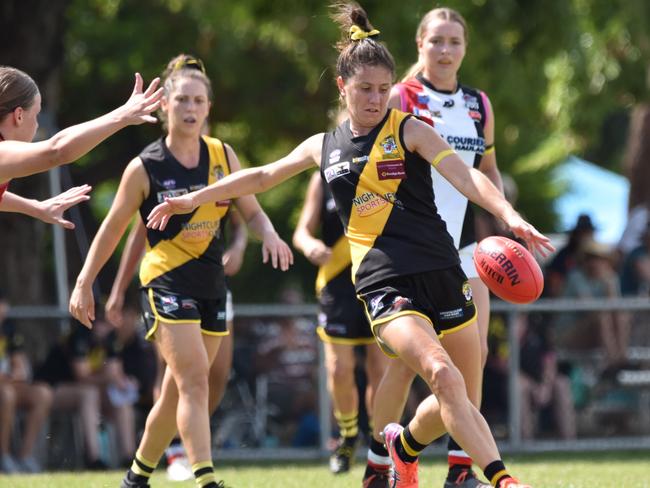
(98, 384)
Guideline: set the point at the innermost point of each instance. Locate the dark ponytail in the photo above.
(359, 44)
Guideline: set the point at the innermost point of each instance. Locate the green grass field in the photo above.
(558, 470)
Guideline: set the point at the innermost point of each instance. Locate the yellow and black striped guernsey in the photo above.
(385, 200)
(185, 257)
(334, 278)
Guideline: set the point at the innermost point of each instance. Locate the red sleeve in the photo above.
(3, 188)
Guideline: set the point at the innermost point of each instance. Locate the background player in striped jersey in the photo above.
(20, 104)
(463, 117)
(342, 324)
(405, 265)
(184, 295)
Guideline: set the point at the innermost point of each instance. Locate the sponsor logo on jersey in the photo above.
(389, 146)
(423, 99)
(471, 102)
(448, 103)
(392, 169)
(451, 314)
(169, 303)
(375, 304)
(336, 170)
(169, 184)
(200, 231)
(162, 195)
(475, 115)
(196, 187)
(400, 303)
(335, 156)
(360, 160)
(465, 143)
(370, 203)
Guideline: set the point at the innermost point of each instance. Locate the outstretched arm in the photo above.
(260, 225)
(423, 139)
(244, 182)
(131, 192)
(304, 237)
(19, 159)
(49, 211)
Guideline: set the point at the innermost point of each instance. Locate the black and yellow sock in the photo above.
(407, 448)
(495, 472)
(348, 424)
(204, 474)
(140, 470)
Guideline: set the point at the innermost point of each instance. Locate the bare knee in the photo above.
(445, 380)
(193, 383)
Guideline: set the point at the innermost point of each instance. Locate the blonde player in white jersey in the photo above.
(463, 117)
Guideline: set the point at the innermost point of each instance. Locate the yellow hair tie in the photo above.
(357, 33)
(442, 155)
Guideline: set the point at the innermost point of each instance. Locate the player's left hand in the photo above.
(161, 213)
(535, 240)
(275, 248)
(52, 209)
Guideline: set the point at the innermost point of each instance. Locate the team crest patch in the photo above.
(218, 172)
(389, 146)
(467, 292)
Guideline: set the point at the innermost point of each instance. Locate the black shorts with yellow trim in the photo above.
(441, 297)
(342, 320)
(173, 308)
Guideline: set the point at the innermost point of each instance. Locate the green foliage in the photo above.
(557, 72)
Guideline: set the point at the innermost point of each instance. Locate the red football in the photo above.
(508, 269)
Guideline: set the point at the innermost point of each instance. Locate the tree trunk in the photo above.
(637, 157)
(31, 39)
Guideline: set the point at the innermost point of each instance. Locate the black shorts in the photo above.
(172, 308)
(442, 297)
(342, 320)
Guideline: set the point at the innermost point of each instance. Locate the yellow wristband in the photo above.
(489, 150)
(442, 155)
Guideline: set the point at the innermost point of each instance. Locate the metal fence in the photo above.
(253, 411)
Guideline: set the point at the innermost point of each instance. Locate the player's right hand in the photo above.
(82, 305)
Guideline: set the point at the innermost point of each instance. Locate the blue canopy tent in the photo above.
(595, 191)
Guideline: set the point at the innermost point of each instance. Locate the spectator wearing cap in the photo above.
(595, 278)
(566, 258)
